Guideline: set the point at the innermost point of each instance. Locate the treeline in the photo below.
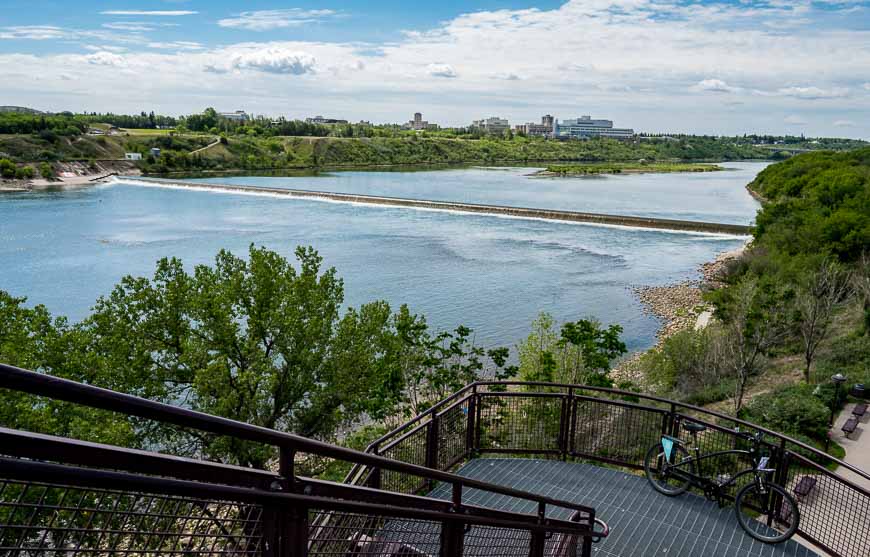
(257, 339)
(55, 124)
(143, 120)
(801, 293)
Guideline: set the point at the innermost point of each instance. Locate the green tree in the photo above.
(258, 340)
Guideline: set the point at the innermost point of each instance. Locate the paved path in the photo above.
(857, 445)
(209, 146)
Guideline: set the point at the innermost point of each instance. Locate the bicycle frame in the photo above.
(707, 484)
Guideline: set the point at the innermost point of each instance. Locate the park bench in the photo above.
(850, 426)
(804, 487)
(859, 410)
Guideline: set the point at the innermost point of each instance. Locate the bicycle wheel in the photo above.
(767, 512)
(662, 479)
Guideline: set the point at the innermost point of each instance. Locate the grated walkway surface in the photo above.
(642, 521)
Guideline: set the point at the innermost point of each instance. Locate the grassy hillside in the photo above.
(240, 152)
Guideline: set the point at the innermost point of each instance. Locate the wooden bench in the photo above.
(804, 487)
(859, 410)
(850, 426)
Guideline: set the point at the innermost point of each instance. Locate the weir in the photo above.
(501, 210)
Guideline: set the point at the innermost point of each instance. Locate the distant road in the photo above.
(503, 210)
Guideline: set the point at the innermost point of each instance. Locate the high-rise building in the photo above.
(544, 129)
(585, 127)
(418, 123)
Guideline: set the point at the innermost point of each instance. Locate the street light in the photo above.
(838, 380)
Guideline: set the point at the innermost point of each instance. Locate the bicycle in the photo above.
(765, 510)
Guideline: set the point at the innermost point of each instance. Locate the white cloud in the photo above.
(129, 26)
(157, 13)
(867, 86)
(176, 45)
(507, 76)
(33, 32)
(844, 124)
(794, 120)
(713, 85)
(441, 70)
(813, 93)
(106, 58)
(274, 59)
(265, 20)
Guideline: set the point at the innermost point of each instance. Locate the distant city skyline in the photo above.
(706, 66)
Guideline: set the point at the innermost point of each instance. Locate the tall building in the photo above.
(493, 124)
(585, 127)
(544, 129)
(418, 123)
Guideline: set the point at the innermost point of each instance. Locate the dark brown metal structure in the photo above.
(63, 497)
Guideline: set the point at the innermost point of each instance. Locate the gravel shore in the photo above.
(680, 306)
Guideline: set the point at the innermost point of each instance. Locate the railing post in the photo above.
(375, 475)
(564, 416)
(470, 449)
(539, 540)
(453, 531)
(432, 446)
(292, 524)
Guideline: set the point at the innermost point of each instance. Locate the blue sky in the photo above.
(707, 66)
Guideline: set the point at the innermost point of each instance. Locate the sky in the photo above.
(668, 66)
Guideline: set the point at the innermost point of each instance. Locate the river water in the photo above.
(494, 274)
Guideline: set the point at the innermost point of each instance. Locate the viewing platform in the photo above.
(496, 469)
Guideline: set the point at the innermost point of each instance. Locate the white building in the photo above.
(237, 116)
(493, 124)
(585, 127)
(133, 156)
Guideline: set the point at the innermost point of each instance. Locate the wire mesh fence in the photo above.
(54, 520)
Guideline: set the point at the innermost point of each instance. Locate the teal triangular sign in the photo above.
(668, 446)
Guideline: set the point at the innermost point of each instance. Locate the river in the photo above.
(494, 274)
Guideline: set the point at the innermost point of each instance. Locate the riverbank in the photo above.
(679, 306)
(625, 168)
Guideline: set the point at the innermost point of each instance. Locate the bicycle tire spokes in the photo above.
(767, 512)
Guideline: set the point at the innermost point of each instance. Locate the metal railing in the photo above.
(62, 497)
(617, 427)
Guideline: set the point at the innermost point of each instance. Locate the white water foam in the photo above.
(312, 196)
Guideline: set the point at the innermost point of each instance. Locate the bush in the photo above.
(46, 170)
(7, 168)
(685, 362)
(795, 410)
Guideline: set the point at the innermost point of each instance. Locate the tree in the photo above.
(258, 341)
(581, 353)
(817, 295)
(7, 168)
(754, 323)
(861, 286)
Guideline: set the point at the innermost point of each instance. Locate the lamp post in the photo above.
(838, 379)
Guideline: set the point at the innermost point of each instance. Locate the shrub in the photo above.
(793, 410)
(46, 170)
(7, 168)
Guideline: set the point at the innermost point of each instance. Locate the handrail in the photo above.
(18, 379)
(864, 474)
(98, 479)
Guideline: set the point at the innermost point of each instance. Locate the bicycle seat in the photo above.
(694, 427)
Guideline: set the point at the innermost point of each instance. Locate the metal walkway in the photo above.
(642, 522)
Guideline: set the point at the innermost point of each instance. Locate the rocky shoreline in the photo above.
(680, 306)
